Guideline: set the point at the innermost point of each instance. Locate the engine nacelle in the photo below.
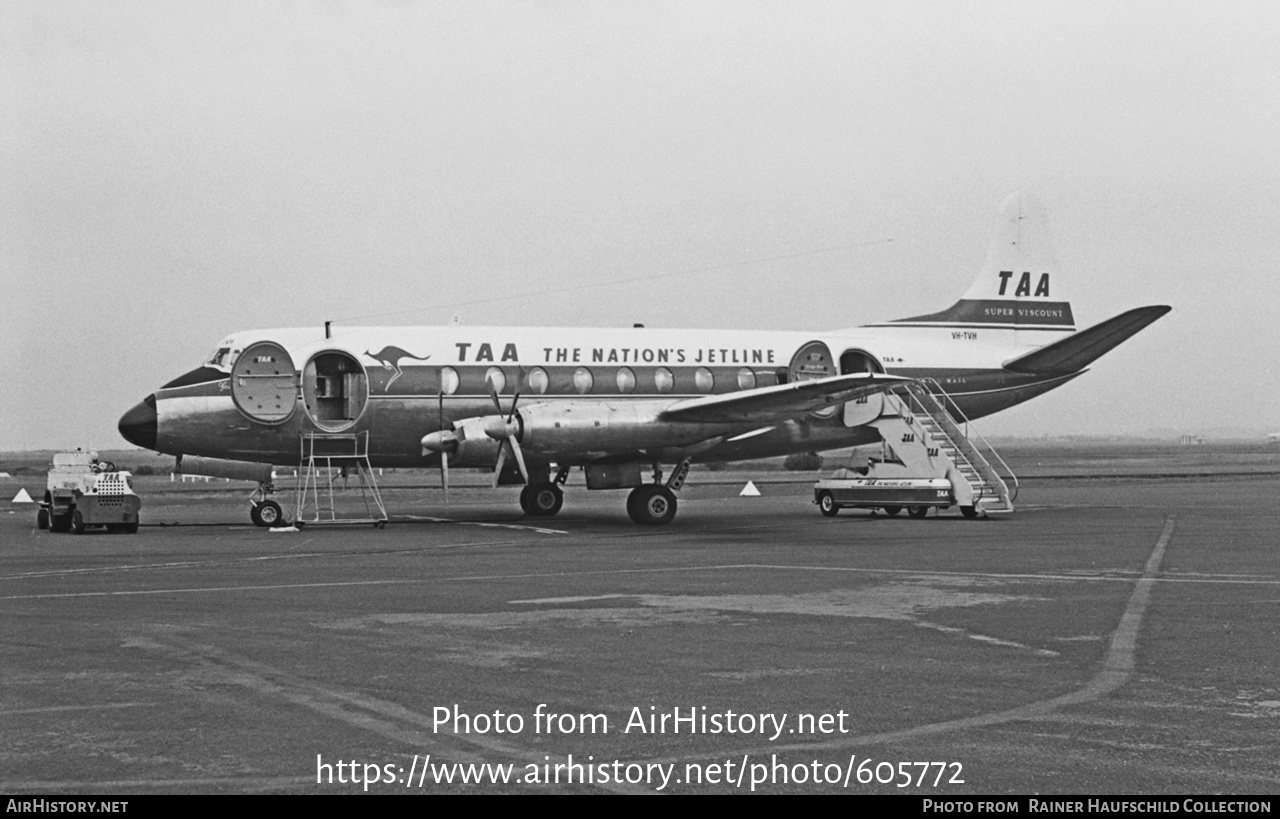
(582, 427)
(474, 445)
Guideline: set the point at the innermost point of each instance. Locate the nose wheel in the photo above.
(266, 513)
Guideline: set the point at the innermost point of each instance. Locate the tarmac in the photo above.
(1113, 636)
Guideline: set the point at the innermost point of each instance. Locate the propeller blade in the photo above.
(493, 395)
(497, 468)
(515, 449)
(444, 475)
(514, 400)
(444, 454)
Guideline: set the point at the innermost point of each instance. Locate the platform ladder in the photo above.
(935, 413)
(321, 455)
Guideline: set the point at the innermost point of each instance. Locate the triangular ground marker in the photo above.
(22, 497)
(749, 491)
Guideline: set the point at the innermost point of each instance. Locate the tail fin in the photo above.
(1018, 287)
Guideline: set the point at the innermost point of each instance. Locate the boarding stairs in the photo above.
(918, 421)
(324, 457)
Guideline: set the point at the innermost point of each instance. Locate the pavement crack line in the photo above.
(1117, 669)
(388, 719)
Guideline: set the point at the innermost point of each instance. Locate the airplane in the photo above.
(533, 402)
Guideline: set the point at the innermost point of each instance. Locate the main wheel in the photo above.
(652, 505)
(892, 510)
(827, 505)
(42, 518)
(541, 500)
(266, 514)
(77, 522)
(969, 511)
(917, 511)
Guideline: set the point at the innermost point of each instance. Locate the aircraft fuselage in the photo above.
(398, 384)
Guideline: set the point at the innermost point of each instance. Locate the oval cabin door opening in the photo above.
(335, 388)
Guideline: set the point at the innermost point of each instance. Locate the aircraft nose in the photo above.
(138, 425)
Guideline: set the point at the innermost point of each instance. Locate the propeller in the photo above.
(444, 456)
(507, 433)
(503, 428)
(442, 442)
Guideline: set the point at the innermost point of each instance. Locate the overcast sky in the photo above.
(171, 172)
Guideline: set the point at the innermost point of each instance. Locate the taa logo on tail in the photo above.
(1024, 284)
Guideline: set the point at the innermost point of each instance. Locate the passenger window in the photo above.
(746, 379)
(582, 380)
(537, 380)
(663, 380)
(494, 377)
(704, 380)
(626, 379)
(449, 380)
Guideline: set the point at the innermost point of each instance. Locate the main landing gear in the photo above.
(541, 500)
(654, 504)
(651, 504)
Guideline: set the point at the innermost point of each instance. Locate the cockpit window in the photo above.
(221, 358)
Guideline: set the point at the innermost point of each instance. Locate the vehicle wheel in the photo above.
(827, 505)
(652, 505)
(892, 510)
(131, 528)
(969, 511)
(266, 514)
(542, 500)
(917, 511)
(59, 523)
(77, 522)
(42, 518)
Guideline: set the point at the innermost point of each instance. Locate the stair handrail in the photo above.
(935, 389)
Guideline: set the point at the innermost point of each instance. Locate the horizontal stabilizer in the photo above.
(778, 402)
(1081, 349)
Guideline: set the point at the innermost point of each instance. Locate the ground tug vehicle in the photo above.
(82, 491)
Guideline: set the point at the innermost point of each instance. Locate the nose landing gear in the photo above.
(266, 513)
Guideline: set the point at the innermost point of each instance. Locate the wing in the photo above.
(777, 403)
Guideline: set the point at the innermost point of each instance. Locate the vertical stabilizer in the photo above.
(1019, 286)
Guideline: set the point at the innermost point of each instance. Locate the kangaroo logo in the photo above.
(390, 358)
